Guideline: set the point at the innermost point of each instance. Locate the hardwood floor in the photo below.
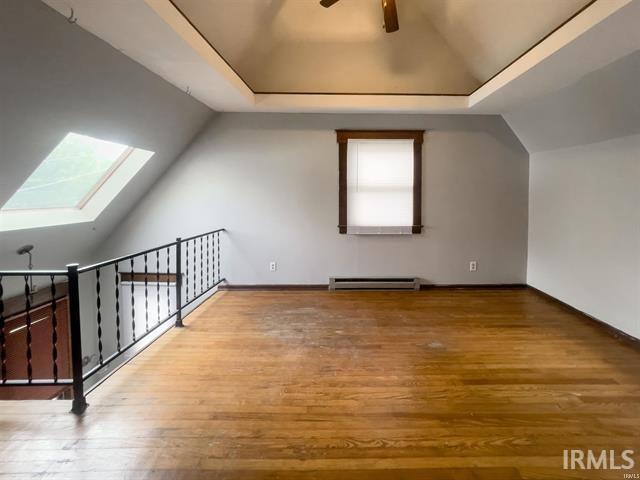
(440, 384)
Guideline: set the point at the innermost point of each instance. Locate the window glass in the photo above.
(380, 183)
(70, 173)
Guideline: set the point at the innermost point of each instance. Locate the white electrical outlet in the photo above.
(473, 266)
(273, 266)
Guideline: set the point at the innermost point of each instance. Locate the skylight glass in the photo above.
(70, 174)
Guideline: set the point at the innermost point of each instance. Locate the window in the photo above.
(74, 183)
(69, 174)
(380, 181)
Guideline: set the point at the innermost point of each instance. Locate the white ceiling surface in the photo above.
(153, 33)
(298, 46)
(442, 46)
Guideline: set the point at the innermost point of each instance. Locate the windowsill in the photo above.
(389, 230)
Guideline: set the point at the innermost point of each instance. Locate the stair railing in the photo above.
(116, 305)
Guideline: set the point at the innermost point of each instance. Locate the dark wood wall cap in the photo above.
(151, 277)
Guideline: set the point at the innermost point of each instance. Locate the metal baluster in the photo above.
(27, 301)
(99, 316)
(218, 242)
(168, 277)
(201, 268)
(117, 306)
(158, 283)
(133, 304)
(179, 282)
(54, 329)
(208, 241)
(186, 274)
(146, 294)
(213, 256)
(3, 342)
(194, 267)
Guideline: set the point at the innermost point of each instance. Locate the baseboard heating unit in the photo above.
(374, 283)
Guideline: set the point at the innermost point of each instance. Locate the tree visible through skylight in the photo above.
(69, 174)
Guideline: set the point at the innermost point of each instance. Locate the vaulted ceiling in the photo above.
(442, 47)
(449, 56)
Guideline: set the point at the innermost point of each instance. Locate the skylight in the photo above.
(74, 184)
(70, 174)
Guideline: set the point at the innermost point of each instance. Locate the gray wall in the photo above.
(584, 230)
(58, 78)
(272, 181)
(584, 220)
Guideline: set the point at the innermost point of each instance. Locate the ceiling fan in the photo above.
(388, 9)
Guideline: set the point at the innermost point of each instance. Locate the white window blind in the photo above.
(379, 186)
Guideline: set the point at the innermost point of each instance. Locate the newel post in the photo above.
(79, 404)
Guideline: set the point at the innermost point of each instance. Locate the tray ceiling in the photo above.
(443, 47)
(157, 35)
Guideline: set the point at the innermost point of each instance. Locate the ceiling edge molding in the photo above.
(592, 15)
(225, 90)
(172, 16)
(335, 103)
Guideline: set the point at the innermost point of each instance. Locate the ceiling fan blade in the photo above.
(390, 15)
(327, 3)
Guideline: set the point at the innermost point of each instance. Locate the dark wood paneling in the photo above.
(17, 303)
(41, 347)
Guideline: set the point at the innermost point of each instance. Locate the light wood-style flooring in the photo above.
(440, 384)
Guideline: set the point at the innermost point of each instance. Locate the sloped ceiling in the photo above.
(489, 34)
(61, 79)
(277, 36)
(442, 47)
(601, 106)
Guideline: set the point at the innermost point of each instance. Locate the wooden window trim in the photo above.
(343, 136)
